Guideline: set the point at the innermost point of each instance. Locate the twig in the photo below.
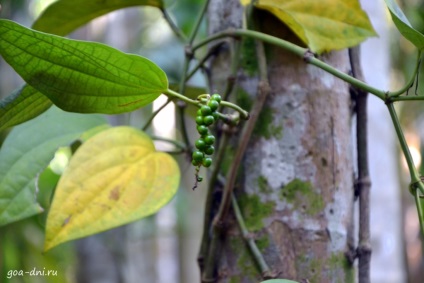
(363, 184)
(409, 84)
(176, 143)
(154, 114)
(295, 49)
(173, 26)
(257, 255)
(415, 178)
(202, 61)
(198, 22)
(418, 199)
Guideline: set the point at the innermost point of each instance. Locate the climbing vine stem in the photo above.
(418, 202)
(304, 53)
(410, 82)
(257, 255)
(177, 31)
(415, 178)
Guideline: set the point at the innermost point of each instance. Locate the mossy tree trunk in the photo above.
(296, 184)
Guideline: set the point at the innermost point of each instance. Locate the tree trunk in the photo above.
(296, 187)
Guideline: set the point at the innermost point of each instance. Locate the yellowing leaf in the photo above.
(245, 2)
(323, 25)
(114, 178)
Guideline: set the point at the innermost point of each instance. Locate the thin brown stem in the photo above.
(218, 222)
(363, 184)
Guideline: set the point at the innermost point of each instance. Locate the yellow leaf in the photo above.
(245, 2)
(323, 25)
(114, 178)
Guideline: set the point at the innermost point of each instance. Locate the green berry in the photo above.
(216, 97)
(209, 150)
(199, 120)
(200, 144)
(199, 113)
(199, 179)
(215, 116)
(196, 163)
(197, 156)
(207, 162)
(202, 130)
(206, 110)
(208, 120)
(209, 139)
(213, 104)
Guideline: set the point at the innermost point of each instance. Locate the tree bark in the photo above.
(296, 184)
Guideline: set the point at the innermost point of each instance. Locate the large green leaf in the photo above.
(403, 25)
(323, 25)
(64, 16)
(114, 178)
(27, 150)
(80, 76)
(21, 106)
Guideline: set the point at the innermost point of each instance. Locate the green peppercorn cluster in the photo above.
(206, 116)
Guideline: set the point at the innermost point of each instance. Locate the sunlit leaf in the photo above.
(279, 281)
(81, 76)
(64, 16)
(114, 178)
(323, 25)
(403, 25)
(245, 2)
(21, 106)
(25, 153)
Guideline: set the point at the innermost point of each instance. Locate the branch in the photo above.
(177, 31)
(418, 198)
(154, 114)
(295, 49)
(257, 255)
(415, 179)
(363, 183)
(198, 22)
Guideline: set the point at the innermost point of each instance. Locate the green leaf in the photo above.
(323, 25)
(114, 178)
(279, 281)
(403, 25)
(27, 150)
(22, 105)
(80, 76)
(64, 16)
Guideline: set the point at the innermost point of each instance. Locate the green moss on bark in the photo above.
(254, 211)
(263, 185)
(338, 262)
(302, 196)
(263, 124)
(243, 99)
